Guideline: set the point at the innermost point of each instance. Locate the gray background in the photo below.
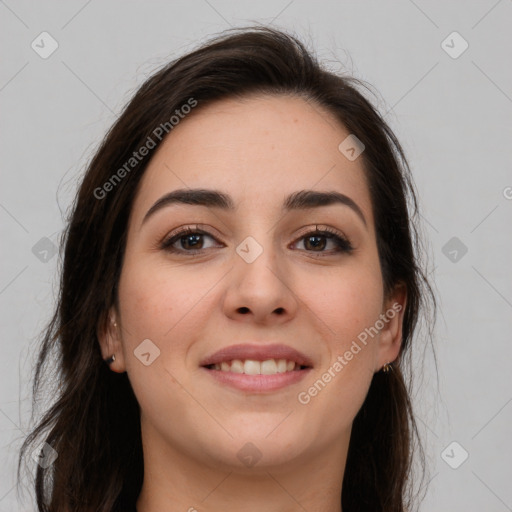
(453, 116)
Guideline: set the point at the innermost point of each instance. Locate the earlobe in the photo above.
(110, 360)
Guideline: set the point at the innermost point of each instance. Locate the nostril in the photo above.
(243, 310)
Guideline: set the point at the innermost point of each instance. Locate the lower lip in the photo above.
(258, 383)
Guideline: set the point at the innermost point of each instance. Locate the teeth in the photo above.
(252, 367)
(237, 366)
(268, 367)
(281, 365)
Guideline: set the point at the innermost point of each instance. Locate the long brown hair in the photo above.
(94, 422)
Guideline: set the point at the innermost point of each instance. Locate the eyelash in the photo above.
(343, 244)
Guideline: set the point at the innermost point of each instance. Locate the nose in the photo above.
(259, 290)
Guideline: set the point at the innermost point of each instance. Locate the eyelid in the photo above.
(202, 229)
(320, 227)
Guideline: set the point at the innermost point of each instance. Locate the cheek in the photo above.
(155, 305)
(154, 297)
(347, 305)
(168, 305)
(347, 301)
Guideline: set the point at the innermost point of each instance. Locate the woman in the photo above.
(239, 294)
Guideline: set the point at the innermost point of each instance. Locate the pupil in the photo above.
(318, 242)
(191, 240)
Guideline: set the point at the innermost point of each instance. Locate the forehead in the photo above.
(257, 149)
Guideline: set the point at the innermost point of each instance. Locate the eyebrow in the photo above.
(300, 200)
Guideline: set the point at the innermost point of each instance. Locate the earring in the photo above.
(110, 360)
(387, 367)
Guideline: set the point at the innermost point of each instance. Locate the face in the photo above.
(259, 276)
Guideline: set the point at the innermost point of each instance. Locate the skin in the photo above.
(258, 151)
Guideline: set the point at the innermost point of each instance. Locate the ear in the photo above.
(390, 339)
(109, 337)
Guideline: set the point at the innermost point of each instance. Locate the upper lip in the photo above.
(257, 352)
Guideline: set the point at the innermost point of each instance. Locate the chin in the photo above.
(252, 450)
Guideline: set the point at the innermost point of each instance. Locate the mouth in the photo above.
(257, 368)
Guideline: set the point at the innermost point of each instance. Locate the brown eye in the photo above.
(315, 242)
(319, 240)
(193, 241)
(187, 240)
